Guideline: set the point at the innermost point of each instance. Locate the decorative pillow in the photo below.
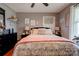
(44, 31)
(41, 31)
(34, 31)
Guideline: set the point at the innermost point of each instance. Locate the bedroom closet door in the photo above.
(49, 21)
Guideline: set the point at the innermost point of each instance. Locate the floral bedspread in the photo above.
(48, 48)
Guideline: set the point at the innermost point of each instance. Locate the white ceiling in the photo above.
(38, 8)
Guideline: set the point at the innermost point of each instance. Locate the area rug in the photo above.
(9, 53)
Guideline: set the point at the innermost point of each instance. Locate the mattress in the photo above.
(45, 45)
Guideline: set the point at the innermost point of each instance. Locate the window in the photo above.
(49, 21)
(76, 21)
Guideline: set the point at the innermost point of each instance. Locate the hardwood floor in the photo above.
(9, 53)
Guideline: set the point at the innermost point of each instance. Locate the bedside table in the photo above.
(58, 33)
(76, 40)
(24, 35)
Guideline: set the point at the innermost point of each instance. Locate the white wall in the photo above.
(8, 13)
(38, 17)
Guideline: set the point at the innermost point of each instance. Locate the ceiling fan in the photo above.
(45, 4)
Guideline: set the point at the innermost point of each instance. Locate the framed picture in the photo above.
(32, 22)
(27, 21)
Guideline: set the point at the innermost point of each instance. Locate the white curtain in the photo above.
(74, 21)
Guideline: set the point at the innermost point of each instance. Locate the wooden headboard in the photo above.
(40, 27)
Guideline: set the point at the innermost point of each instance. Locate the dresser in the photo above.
(7, 42)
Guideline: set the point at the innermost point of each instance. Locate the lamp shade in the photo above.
(56, 28)
(1, 25)
(27, 28)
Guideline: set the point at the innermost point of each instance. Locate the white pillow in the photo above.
(44, 31)
(41, 31)
(34, 31)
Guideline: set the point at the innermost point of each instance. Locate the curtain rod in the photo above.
(76, 4)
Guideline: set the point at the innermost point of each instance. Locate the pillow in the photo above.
(41, 31)
(34, 31)
(44, 31)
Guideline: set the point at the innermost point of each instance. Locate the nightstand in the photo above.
(76, 40)
(58, 33)
(24, 35)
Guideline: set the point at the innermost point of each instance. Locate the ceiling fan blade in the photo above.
(32, 5)
(46, 4)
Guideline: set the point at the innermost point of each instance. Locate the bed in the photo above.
(45, 43)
